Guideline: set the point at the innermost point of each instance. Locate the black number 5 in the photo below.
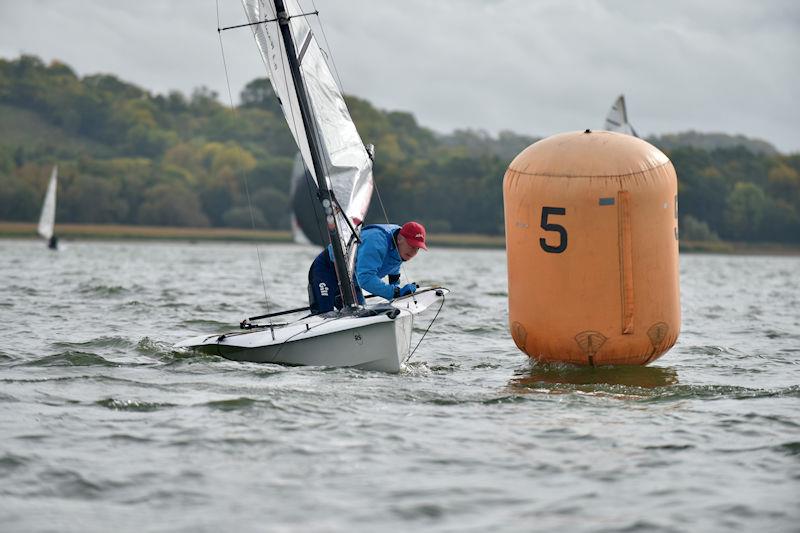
(547, 226)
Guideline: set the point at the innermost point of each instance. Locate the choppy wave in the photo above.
(132, 405)
(238, 404)
(103, 291)
(10, 462)
(71, 358)
(98, 342)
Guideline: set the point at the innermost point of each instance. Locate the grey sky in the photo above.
(536, 67)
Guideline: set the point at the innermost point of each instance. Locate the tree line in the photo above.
(128, 156)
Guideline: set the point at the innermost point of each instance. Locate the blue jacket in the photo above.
(377, 257)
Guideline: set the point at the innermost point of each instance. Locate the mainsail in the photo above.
(308, 217)
(617, 118)
(47, 220)
(347, 163)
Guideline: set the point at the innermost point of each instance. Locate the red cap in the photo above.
(414, 233)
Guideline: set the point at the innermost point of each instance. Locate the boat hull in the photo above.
(379, 339)
(378, 346)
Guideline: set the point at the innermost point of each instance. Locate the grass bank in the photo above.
(114, 231)
(742, 248)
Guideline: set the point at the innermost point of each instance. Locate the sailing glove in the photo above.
(408, 289)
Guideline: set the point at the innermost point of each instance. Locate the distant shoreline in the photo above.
(24, 230)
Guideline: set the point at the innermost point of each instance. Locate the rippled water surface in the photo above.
(103, 426)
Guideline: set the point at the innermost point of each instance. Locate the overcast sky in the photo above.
(535, 67)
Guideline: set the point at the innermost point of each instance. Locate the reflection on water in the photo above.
(539, 374)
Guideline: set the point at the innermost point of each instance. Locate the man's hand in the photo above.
(408, 289)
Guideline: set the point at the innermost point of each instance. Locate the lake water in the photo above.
(104, 426)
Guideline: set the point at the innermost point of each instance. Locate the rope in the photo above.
(328, 46)
(426, 330)
(241, 167)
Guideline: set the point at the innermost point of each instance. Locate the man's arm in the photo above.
(371, 254)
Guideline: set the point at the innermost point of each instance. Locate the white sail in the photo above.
(348, 166)
(617, 118)
(47, 220)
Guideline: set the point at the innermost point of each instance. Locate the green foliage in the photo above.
(259, 94)
(91, 198)
(128, 156)
(746, 208)
(712, 141)
(171, 204)
(19, 200)
(692, 229)
(273, 208)
(741, 195)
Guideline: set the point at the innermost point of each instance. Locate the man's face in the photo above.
(407, 252)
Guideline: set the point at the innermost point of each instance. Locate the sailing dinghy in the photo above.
(376, 336)
(47, 220)
(617, 118)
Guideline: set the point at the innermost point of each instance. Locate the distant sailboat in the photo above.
(47, 220)
(617, 118)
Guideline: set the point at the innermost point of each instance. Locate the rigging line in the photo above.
(328, 46)
(426, 331)
(256, 23)
(386, 217)
(241, 167)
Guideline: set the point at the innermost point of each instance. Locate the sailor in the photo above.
(383, 249)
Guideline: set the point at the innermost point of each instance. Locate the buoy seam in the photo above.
(584, 176)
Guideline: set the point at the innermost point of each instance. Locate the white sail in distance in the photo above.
(47, 220)
(344, 156)
(617, 118)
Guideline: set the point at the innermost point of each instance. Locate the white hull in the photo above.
(378, 342)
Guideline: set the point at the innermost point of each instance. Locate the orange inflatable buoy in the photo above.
(591, 223)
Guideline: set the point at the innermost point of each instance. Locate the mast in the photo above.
(346, 288)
